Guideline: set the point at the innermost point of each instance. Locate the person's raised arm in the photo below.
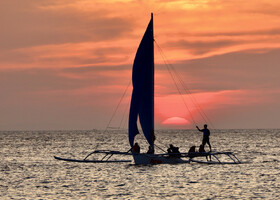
(198, 128)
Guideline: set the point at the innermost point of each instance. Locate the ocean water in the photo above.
(29, 171)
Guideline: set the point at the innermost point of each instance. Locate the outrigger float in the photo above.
(142, 108)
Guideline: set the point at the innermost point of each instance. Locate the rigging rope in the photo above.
(171, 69)
(168, 68)
(124, 113)
(114, 113)
(194, 101)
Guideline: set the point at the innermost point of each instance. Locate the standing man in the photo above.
(206, 134)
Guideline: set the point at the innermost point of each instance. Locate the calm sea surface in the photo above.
(29, 171)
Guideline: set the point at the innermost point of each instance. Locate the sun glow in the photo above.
(175, 121)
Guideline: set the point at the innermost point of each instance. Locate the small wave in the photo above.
(269, 161)
(120, 185)
(44, 182)
(192, 182)
(66, 186)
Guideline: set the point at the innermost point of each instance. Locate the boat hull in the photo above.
(196, 157)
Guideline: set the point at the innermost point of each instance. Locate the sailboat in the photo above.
(142, 108)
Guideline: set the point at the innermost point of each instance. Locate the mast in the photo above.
(153, 80)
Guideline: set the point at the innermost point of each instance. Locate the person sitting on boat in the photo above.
(202, 150)
(136, 148)
(151, 150)
(169, 150)
(173, 151)
(191, 151)
(206, 135)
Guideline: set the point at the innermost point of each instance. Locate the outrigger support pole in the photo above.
(229, 155)
(98, 151)
(113, 154)
(89, 155)
(106, 156)
(216, 157)
(235, 161)
(236, 158)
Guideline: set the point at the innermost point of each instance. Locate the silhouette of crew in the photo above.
(191, 152)
(150, 150)
(192, 149)
(136, 148)
(202, 150)
(206, 135)
(173, 151)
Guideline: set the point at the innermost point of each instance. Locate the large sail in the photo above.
(142, 99)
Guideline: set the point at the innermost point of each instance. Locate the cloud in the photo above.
(257, 70)
(27, 81)
(245, 70)
(27, 23)
(66, 55)
(201, 47)
(96, 68)
(257, 32)
(265, 8)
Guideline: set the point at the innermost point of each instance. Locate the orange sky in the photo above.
(65, 64)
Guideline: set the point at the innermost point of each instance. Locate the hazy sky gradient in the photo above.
(65, 64)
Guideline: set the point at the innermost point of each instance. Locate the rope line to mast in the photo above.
(194, 101)
(173, 78)
(171, 69)
(124, 113)
(114, 113)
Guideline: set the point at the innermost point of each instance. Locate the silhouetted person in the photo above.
(173, 150)
(191, 152)
(136, 148)
(202, 150)
(192, 149)
(206, 135)
(151, 150)
(170, 149)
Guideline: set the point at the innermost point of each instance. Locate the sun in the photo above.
(175, 121)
